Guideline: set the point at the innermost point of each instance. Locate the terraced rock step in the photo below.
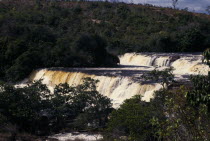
(125, 80)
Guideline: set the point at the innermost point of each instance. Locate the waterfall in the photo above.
(182, 63)
(124, 81)
(117, 88)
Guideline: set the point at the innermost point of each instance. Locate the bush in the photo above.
(132, 119)
(183, 121)
(35, 110)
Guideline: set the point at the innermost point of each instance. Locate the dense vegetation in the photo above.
(90, 34)
(35, 110)
(176, 113)
(79, 34)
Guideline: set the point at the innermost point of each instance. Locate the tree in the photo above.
(199, 95)
(22, 106)
(206, 55)
(24, 65)
(92, 49)
(174, 3)
(132, 120)
(182, 120)
(79, 107)
(93, 107)
(190, 39)
(35, 110)
(26, 28)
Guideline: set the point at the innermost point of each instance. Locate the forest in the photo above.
(50, 34)
(90, 34)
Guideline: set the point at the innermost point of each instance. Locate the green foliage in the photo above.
(200, 93)
(72, 34)
(206, 55)
(83, 103)
(191, 39)
(93, 51)
(34, 109)
(87, 51)
(174, 113)
(183, 121)
(161, 42)
(132, 119)
(22, 105)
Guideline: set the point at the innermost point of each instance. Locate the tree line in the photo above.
(33, 109)
(90, 34)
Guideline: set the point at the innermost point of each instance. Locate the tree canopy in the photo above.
(90, 34)
(35, 110)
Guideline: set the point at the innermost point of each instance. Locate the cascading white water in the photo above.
(124, 82)
(118, 88)
(182, 63)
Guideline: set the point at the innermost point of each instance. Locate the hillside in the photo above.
(79, 34)
(109, 71)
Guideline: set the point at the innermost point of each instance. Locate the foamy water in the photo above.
(125, 81)
(77, 136)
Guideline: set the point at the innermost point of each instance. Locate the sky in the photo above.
(193, 5)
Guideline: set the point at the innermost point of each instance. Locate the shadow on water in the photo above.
(121, 71)
(133, 72)
(133, 66)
